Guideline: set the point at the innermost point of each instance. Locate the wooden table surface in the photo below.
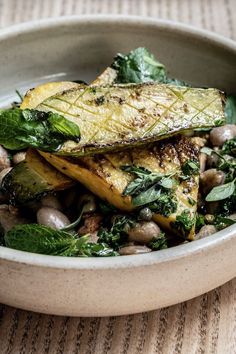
(206, 324)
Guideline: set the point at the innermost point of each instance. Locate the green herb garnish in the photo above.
(158, 243)
(165, 205)
(200, 221)
(138, 66)
(117, 234)
(149, 187)
(184, 222)
(190, 168)
(44, 240)
(229, 147)
(31, 128)
(221, 192)
(222, 222)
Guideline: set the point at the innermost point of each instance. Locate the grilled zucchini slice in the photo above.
(102, 174)
(119, 116)
(33, 178)
(40, 93)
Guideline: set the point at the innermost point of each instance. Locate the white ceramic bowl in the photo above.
(79, 48)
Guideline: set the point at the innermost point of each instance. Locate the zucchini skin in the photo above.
(32, 179)
(121, 116)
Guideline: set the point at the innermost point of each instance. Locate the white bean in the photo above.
(129, 250)
(4, 159)
(219, 135)
(144, 232)
(205, 231)
(52, 218)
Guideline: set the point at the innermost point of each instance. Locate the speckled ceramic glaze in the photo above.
(79, 48)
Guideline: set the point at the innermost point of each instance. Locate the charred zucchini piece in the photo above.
(102, 174)
(107, 77)
(120, 116)
(33, 178)
(40, 93)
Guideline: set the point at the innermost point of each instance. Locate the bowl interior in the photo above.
(75, 49)
(80, 48)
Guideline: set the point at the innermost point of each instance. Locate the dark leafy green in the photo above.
(158, 243)
(227, 191)
(190, 168)
(222, 222)
(200, 221)
(229, 147)
(144, 179)
(106, 208)
(165, 205)
(151, 189)
(138, 66)
(184, 222)
(221, 192)
(44, 240)
(228, 206)
(117, 234)
(230, 110)
(147, 196)
(20, 129)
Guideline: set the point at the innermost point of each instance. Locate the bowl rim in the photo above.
(132, 261)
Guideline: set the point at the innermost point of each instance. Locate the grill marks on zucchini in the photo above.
(102, 174)
(133, 114)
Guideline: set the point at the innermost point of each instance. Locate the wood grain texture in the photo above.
(203, 325)
(213, 15)
(206, 324)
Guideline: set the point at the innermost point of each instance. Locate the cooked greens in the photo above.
(117, 233)
(158, 243)
(221, 192)
(148, 187)
(227, 164)
(20, 129)
(42, 239)
(138, 66)
(133, 103)
(184, 222)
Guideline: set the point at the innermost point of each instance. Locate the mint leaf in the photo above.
(44, 240)
(138, 66)
(47, 131)
(41, 239)
(63, 126)
(221, 192)
(148, 196)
